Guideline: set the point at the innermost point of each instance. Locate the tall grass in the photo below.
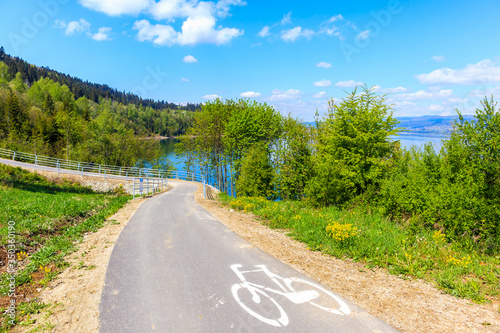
(369, 237)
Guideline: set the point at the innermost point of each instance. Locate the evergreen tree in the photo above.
(49, 105)
(16, 115)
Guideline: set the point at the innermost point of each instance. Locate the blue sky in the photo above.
(430, 57)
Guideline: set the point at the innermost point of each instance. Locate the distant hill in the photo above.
(429, 124)
(424, 125)
(92, 91)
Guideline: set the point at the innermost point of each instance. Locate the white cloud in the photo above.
(250, 94)
(286, 19)
(264, 32)
(292, 35)
(435, 108)
(348, 84)
(481, 93)
(321, 94)
(484, 72)
(102, 35)
(116, 7)
(223, 6)
(438, 58)
(323, 83)
(364, 35)
(189, 59)
(74, 26)
(285, 95)
(324, 65)
(158, 34)
(211, 97)
(184, 79)
(330, 27)
(195, 30)
(424, 95)
(394, 90)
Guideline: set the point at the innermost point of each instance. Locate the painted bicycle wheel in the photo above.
(260, 305)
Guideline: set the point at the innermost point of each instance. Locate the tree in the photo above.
(292, 159)
(18, 119)
(49, 105)
(353, 148)
(256, 175)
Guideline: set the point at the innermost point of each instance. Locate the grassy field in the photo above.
(368, 237)
(44, 220)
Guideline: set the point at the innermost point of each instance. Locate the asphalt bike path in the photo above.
(175, 268)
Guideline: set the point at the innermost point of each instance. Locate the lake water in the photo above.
(168, 149)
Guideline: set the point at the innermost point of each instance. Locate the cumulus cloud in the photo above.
(159, 34)
(264, 32)
(184, 79)
(394, 90)
(211, 97)
(484, 72)
(424, 95)
(323, 83)
(285, 95)
(250, 94)
(195, 30)
(348, 84)
(74, 26)
(324, 65)
(292, 35)
(321, 94)
(199, 25)
(189, 59)
(438, 58)
(116, 7)
(102, 34)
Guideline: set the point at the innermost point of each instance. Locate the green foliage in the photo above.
(256, 174)
(223, 132)
(374, 240)
(291, 160)
(353, 149)
(457, 190)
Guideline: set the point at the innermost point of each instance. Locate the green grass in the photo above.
(48, 219)
(373, 239)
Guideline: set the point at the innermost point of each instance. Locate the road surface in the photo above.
(175, 268)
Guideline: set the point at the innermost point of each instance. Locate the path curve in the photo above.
(175, 268)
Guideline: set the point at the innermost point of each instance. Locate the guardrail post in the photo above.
(99, 168)
(79, 166)
(133, 188)
(126, 176)
(105, 170)
(58, 166)
(204, 190)
(14, 156)
(120, 171)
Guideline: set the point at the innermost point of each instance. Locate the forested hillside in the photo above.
(79, 88)
(43, 116)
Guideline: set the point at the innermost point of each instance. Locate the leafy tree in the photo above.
(353, 149)
(256, 175)
(292, 159)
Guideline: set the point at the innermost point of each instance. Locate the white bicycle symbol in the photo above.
(296, 290)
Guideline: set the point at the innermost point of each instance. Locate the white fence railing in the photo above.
(133, 174)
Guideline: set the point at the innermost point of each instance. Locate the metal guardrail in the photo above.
(102, 170)
(146, 186)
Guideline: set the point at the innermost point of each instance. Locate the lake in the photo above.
(407, 140)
